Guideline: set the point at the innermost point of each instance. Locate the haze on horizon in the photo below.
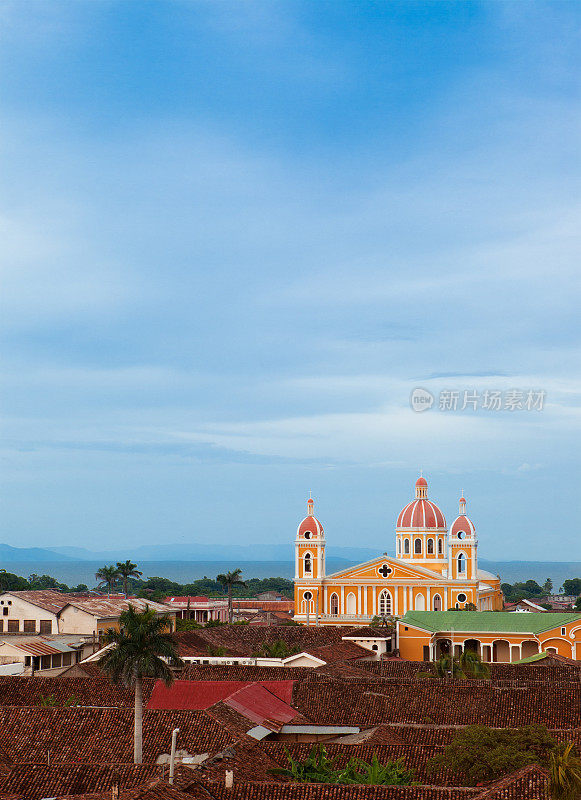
(237, 235)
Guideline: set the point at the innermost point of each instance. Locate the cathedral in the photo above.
(434, 569)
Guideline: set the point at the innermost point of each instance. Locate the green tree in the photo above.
(479, 754)
(319, 768)
(107, 576)
(578, 603)
(572, 587)
(564, 773)
(278, 649)
(548, 586)
(472, 665)
(142, 647)
(127, 569)
(228, 581)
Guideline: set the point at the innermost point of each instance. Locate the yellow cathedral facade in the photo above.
(434, 569)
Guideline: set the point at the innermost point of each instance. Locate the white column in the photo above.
(374, 600)
(396, 600)
(405, 599)
(325, 593)
(365, 600)
(342, 599)
(446, 606)
(296, 563)
(359, 605)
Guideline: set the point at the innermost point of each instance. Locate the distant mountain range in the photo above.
(337, 557)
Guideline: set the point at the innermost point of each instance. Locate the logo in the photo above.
(421, 399)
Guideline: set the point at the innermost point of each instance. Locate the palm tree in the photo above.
(229, 580)
(107, 576)
(564, 773)
(472, 665)
(126, 570)
(142, 647)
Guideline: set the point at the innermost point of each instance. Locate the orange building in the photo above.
(433, 569)
(501, 637)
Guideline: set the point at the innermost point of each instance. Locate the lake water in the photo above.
(75, 572)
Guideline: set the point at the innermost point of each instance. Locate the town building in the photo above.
(500, 637)
(30, 654)
(435, 568)
(199, 609)
(48, 611)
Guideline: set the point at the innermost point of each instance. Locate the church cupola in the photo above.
(421, 531)
(462, 546)
(421, 488)
(310, 546)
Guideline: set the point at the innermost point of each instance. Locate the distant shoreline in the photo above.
(74, 572)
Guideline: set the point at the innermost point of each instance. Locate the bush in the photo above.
(480, 754)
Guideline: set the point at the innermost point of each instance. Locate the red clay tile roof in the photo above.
(103, 735)
(27, 691)
(34, 781)
(529, 783)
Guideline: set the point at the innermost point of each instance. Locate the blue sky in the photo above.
(237, 235)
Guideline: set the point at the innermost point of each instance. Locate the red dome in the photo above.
(312, 525)
(421, 482)
(421, 514)
(463, 523)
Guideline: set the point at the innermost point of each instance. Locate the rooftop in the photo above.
(486, 621)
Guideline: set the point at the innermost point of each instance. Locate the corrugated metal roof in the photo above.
(259, 705)
(199, 695)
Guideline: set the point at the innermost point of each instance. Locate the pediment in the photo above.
(399, 570)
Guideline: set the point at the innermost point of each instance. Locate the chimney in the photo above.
(115, 786)
(229, 779)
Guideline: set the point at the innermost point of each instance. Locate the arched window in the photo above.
(461, 563)
(417, 546)
(406, 547)
(308, 563)
(334, 605)
(430, 546)
(384, 605)
(440, 547)
(307, 602)
(437, 602)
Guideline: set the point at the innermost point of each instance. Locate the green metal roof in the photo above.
(532, 659)
(487, 621)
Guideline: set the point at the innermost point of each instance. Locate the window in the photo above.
(461, 535)
(45, 626)
(461, 598)
(13, 626)
(334, 605)
(307, 534)
(308, 596)
(29, 626)
(563, 631)
(308, 563)
(406, 546)
(461, 563)
(67, 660)
(1, 625)
(440, 547)
(430, 546)
(399, 547)
(417, 546)
(374, 647)
(5, 611)
(384, 604)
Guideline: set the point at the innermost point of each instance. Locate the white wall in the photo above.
(19, 609)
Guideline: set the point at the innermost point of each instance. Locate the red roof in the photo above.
(311, 524)
(199, 695)
(421, 514)
(258, 704)
(463, 523)
(421, 482)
